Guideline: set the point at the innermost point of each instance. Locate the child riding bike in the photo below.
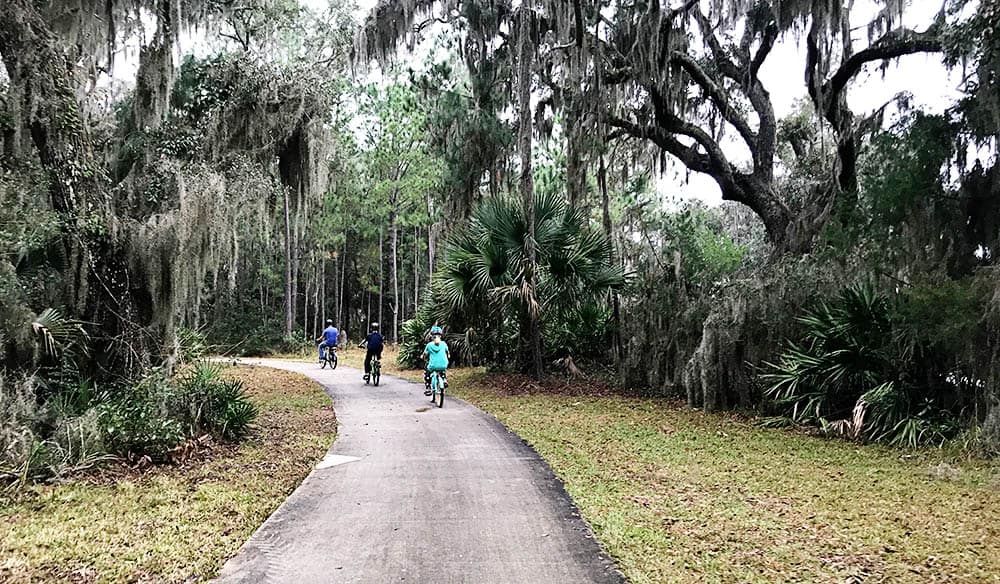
(437, 355)
(375, 343)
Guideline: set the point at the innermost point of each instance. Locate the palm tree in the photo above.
(483, 282)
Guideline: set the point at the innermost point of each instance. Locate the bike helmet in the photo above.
(436, 330)
(374, 326)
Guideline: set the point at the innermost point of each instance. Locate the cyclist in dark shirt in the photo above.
(375, 343)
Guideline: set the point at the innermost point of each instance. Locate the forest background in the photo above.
(514, 182)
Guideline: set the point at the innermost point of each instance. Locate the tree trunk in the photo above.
(317, 299)
(289, 317)
(42, 94)
(335, 314)
(342, 311)
(602, 179)
(531, 353)
(322, 287)
(305, 308)
(430, 236)
(416, 269)
(296, 261)
(576, 172)
(345, 324)
(381, 277)
(395, 276)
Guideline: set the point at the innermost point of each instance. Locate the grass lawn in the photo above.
(171, 523)
(676, 495)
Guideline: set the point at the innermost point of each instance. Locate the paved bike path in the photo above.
(411, 493)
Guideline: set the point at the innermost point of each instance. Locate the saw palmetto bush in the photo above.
(159, 413)
(854, 374)
(481, 285)
(43, 439)
(206, 402)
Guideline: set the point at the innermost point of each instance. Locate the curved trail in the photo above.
(410, 493)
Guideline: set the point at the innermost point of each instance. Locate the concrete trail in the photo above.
(411, 493)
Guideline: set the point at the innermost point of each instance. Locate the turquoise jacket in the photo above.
(438, 354)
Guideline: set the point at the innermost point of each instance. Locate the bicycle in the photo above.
(376, 372)
(329, 358)
(436, 384)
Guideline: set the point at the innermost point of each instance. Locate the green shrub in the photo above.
(583, 332)
(192, 345)
(137, 420)
(207, 403)
(414, 331)
(856, 375)
(160, 413)
(39, 441)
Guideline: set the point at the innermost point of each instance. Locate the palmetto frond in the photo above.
(56, 333)
(484, 275)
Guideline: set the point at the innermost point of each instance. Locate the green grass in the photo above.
(677, 495)
(171, 524)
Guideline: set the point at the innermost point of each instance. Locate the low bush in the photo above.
(137, 421)
(39, 439)
(80, 425)
(160, 413)
(192, 344)
(205, 402)
(868, 369)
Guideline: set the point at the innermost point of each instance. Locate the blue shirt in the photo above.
(330, 336)
(374, 341)
(438, 360)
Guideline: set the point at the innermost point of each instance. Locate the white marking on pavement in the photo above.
(334, 460)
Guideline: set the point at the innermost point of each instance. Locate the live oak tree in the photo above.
(686, 79)
(689, 78)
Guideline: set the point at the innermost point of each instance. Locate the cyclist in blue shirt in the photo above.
(437, 355)
(375, 342)
(328, 338)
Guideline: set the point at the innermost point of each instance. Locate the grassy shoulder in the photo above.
(678, 495)
(172, 523)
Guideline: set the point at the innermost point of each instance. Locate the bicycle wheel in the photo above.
(434, 386)
(322, 362)
(376, 372)
(333, 361)
(440, 393)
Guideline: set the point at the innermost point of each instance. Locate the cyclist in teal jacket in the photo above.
(437, 355)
